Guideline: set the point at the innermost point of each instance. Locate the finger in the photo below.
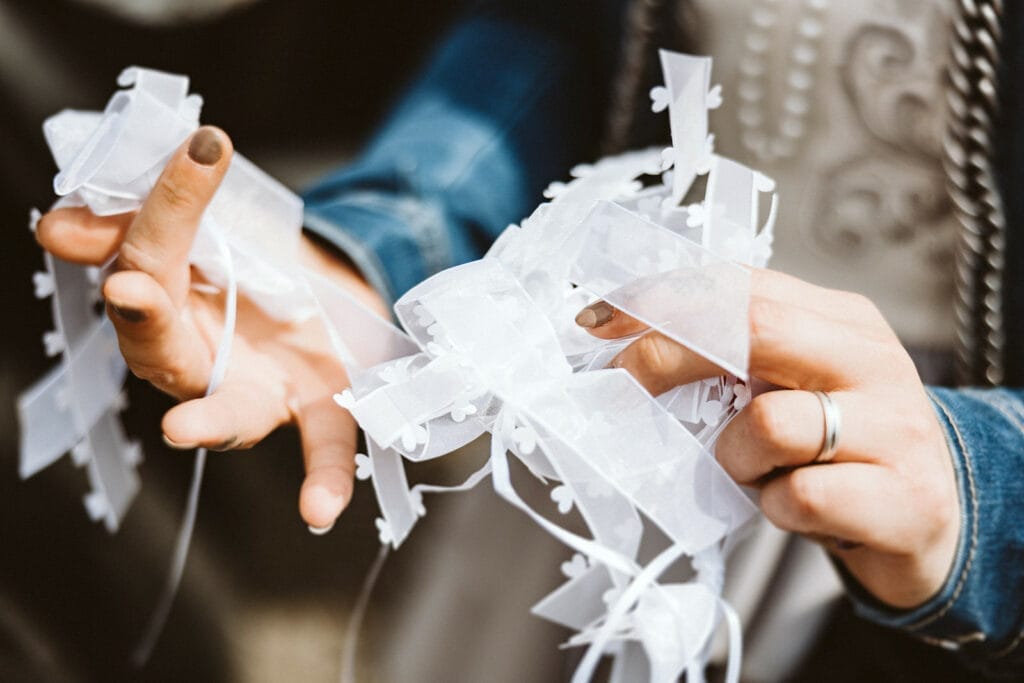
(801, 336)
(776, 430)
(782, 429)
(77, 235)
(796, 348)
(857, 502)
(328, 447)
(660, 364)
(605, 321)
(160, 237)
(790, 346)
(830, 303)
(235, 416)
(155, 343)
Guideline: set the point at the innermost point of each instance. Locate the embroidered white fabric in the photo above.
(489, 346)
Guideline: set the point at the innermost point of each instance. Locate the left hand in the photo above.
(278, 372)
(887, 504)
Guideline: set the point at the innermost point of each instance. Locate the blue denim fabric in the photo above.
(512, 99)
(980, 609)
(508, 104)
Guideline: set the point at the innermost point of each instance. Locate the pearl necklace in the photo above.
(753, 85)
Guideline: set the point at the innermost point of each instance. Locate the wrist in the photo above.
(326, 259)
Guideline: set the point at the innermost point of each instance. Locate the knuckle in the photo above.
(168, 376)
(330, 468)
(651, 354)
(766, 421)
(890, 358)
(859, 303)
(765, 319)
(327, 459)
(804, 492)
(131, 256)
(660, 364)
(726, 449)
(867, 310)
(901, 359)
(158, 376)
(176, 195)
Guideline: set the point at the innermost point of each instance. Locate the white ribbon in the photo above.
(491, 346)
(220, 365)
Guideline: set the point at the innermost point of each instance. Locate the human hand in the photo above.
(278, 373)
(886, 505)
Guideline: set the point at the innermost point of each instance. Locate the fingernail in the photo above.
(843, 544)
(321, 530)
(132, 315)
(595, 315)
(179, 446)
(205, 147)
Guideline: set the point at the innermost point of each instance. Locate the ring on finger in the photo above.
(833, 421)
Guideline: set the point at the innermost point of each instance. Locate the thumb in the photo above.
(160, 237)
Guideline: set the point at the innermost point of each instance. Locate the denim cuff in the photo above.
(979, 611)
(364, 260)
(393, 239)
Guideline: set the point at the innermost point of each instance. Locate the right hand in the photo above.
(887, 504)
(278, 373)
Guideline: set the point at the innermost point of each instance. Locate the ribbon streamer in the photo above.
(486, 347)
(220, 365)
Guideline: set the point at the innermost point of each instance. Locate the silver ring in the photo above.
(833, 423)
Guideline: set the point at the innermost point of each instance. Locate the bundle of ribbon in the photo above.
(491, 347)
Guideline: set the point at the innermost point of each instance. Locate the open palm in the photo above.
(168, 329)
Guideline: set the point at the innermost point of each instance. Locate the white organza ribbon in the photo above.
(220, 366)
(486, 347)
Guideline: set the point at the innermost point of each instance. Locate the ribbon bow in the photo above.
(490, 347)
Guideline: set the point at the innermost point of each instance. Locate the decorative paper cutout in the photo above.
(490, 346)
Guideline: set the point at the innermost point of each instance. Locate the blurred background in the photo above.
(297, 85)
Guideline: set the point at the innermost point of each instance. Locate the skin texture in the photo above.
(887, 505)
(890, 492)
(279, 373)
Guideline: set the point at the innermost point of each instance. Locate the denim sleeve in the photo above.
(510, 101)
(979, 612)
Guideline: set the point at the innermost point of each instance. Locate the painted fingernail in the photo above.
(132, 315)
(321, 530)
(843, 544)
(205, 147)
(179, 446)
(595, 315)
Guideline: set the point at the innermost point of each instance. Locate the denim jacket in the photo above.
(514, 97)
